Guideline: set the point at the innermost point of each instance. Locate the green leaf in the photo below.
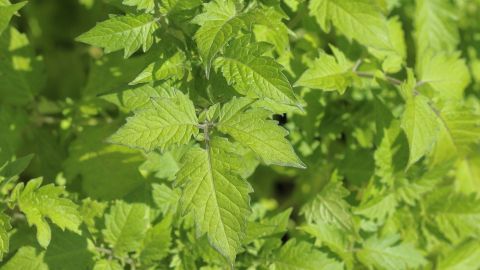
(136, 97)
(173, 67)
(329, 73)
(219, 23)
(269, 27)
(107, 265)
(436, 27)
(22, 73)
(361, 20)
(122, 32)
(7, 12)
(41, 202)
(95, 163)
(92, 211)
(303, 256)
(255, 75)
(334, 238)
(165, 122)
(147, 5)
(456, 215)
(216, 195)
(384, 253)
(393, 60)
(68, 251)
(391, 154)
(125, 226)
(459, 130)
(26, 258)
(165, 198)
(268, 226)
(420, 123)
(463, 256)
(254, 130)
(5, 228)
(13, 168)
(379, 208)
(171, 7)
(157, 241)
(330, 207)
(446, 74)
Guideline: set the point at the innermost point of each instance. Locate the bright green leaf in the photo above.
(122, 32)
(165, 122)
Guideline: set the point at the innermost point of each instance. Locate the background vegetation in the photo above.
(386, 120)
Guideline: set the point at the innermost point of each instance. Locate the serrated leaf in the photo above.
(463, 256)
(216, 195)
(330, 207)
(173, 67)
(7, 12)
(328, 73)
(92, 211)
(165, 122)
(218, 24)
(254, 130)
(446, 74)
(125, 226)
(254, 75)
(392, 152)
(385, 253)
(334, 238)
(127, 32)
(40, 202)
(436, 27)
(165, 198)
(270, 28)
(378, 208)
(421, 125)
(393, 60)
(136, 97)
(361, 20)
(455, 215)
(157, 242)
(299, 255)
(268, 226)
(459, 129)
